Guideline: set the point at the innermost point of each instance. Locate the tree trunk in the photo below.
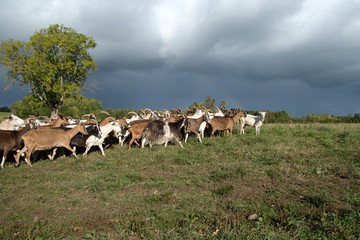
(54, 113)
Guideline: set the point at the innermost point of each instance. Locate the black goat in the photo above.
(79, 140)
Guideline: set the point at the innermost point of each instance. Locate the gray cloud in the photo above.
(252, 54)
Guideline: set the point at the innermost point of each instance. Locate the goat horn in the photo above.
(218, 109)
(106, 113)
(112, 119)
(133, 113)
(31, 117)
(46, 118)
(181, 111)
(86, 115)
(91, 121)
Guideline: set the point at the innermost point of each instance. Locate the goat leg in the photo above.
(69, 148)
(137, 143)
(186, 137)
(3, 161)
(51, 157)
(102, 150)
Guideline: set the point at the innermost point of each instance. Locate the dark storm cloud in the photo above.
(300, 56)
(270, 44)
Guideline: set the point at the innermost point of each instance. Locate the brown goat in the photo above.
(48, 138)
(11, 141)
(56, 123)
(195, 127)
(224, 123)
(136, 129)
(106, 121)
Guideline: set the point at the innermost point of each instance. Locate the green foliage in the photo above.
(79, 105)
(74, 106)
(198, 105)
(328, 119)
(284, 117)
(278, 117)
(209, 103)
(223, 103)
(5, 109)
(54, 63)
(30, 106)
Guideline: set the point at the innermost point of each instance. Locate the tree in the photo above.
(5, 109)
(209, 102)
(223, 103)
(54, 63)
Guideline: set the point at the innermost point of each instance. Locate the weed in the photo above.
(164, 197)
(317, 200)
(227, 172)
(223, 191)
(97, 184)
(343, 137)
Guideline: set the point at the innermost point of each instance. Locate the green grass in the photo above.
(302, 181)
(5, 115)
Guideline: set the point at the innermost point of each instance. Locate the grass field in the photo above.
(5, 115)
(301, 181)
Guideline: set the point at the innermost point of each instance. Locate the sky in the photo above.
(300, 56)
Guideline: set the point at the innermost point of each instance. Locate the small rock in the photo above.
(252, 217)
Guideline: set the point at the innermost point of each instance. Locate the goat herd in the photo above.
(24, 137)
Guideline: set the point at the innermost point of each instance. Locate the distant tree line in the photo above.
(5, 109)
(284, 117)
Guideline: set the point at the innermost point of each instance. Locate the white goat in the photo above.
(252, 121)
(98, 140)
(12, 123)
(133, 118)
